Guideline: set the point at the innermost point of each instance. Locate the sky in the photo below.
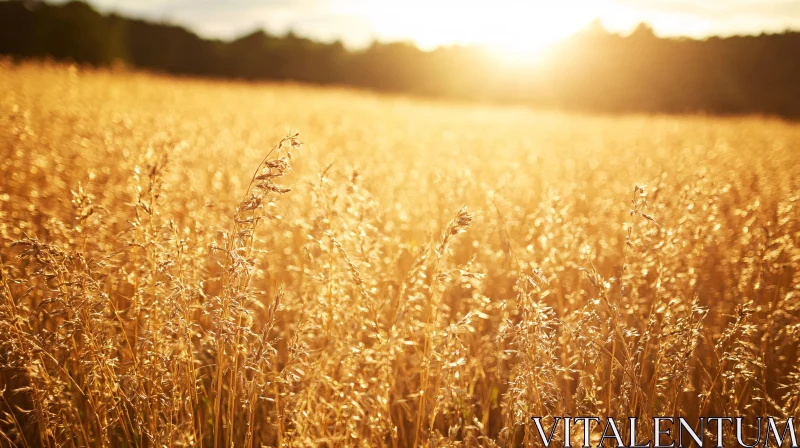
(511, 25)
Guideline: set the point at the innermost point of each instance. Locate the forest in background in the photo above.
(593, 70)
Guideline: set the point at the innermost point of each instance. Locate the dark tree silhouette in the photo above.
(592, 70)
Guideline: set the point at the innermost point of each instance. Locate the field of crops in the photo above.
(403, 272)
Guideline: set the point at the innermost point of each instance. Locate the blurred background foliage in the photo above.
(593, 70)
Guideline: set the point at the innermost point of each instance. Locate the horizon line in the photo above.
(377, 40)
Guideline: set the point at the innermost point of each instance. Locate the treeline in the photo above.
(592, 70)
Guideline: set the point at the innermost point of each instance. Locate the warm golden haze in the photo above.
(416, 273)
(593, 70)
(430, 23)
(511, 29)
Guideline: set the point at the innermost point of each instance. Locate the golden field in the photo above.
(155, 292)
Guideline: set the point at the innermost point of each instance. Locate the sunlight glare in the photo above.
(512, 28)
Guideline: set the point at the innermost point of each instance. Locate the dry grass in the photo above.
(154, 295)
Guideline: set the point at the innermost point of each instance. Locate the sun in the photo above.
(516, 29)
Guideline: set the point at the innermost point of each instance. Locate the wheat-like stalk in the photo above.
(154, 292)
